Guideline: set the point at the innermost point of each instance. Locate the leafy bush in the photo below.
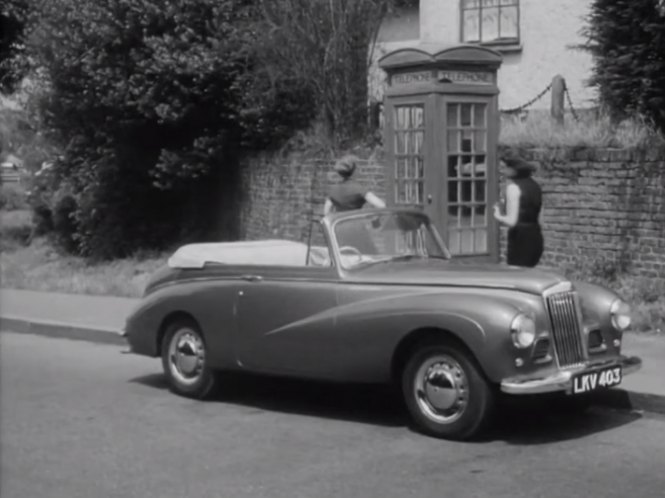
(153, 103)
(64, 226)
(12, 21)
(20, 135)
(12, 197)
(627, 39)
(143, 97)
(15, 229)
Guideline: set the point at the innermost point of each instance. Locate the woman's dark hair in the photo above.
(523, 169)
(346, 166)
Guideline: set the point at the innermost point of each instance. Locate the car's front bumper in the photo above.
(562, 381)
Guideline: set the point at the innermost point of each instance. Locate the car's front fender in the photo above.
(480, 319)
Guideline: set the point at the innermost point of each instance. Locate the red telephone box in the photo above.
(441, 129)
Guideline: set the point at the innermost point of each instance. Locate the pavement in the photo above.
(101, 319)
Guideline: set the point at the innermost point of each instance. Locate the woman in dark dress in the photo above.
(522, 216)
(349, 194)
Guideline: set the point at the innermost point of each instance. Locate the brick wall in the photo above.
(604, 210)
(281, 193)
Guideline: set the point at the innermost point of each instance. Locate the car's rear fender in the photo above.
(208, 304)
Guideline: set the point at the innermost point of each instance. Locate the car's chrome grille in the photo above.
(566, 328)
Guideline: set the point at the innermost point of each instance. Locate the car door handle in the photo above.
(252, 278)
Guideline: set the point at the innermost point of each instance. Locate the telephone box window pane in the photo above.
(399, 192)
(421, 167)
(481, 166)
(467, 241)
(453, 141)
(453, 110)
(408, 147)
(467, 141)
(479, 143)
(481, 240)
(465, 187)
(401, 167)
(452, 192)
(419, 139)
(467, 166)
(480, 191)
(479, 115)
(402, 117)
(399, 143)
(452, 167)
(466, 114)
(454, 241)
(454, 216)
(418, 118)
(465, 218)
(480, 216)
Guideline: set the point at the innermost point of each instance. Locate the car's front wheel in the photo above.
(445, 392)
(184, 360)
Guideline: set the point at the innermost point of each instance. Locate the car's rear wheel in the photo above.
(184, 358)
(445, 392)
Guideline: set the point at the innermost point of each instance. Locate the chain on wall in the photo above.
(525, 106)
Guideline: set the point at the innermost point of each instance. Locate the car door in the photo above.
(286, 320)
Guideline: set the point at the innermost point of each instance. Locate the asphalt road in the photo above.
(82, 420)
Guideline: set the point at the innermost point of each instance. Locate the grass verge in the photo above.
(39, 267)
(538, 130)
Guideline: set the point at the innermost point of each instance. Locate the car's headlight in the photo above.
(620, 313)
(523, 331)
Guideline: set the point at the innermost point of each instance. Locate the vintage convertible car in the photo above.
(374, 296)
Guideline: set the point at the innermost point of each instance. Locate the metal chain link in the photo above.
(570, 102)
(529, 103)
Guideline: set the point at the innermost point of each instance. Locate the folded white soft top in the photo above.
(259, 252)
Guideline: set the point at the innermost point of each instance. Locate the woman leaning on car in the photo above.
(522, 216)
(349, 194)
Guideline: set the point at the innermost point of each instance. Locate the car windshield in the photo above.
(383, 237)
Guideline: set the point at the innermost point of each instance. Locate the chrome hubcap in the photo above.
(186, 356)
(441, 389)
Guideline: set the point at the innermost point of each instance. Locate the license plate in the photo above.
(598, 379)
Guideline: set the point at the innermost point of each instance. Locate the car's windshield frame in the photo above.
(333, 222)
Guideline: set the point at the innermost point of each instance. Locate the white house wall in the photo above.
(548, 30)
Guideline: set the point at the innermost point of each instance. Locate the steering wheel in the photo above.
(352, 250)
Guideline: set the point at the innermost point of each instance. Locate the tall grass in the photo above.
(40, 268)
(539, 130)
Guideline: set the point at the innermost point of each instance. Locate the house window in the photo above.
(487, 21)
